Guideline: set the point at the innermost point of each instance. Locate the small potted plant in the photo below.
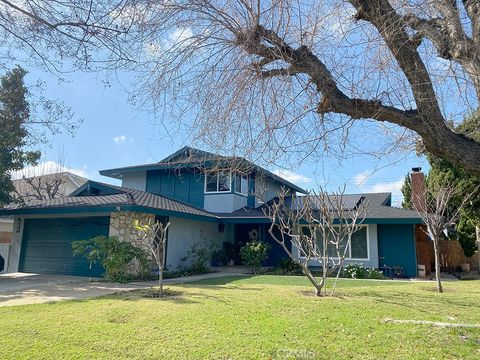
(465, 267)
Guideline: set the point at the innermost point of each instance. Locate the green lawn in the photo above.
(269, 317)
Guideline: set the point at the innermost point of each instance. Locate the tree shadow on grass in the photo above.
(224, 280)
(223, 284)
(180, 294)
(425, 296)
(170, 295)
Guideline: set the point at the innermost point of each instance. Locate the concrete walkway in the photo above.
(23, 288)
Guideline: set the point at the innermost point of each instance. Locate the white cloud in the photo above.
(175, 41)
(293, 177)
(393, 187)
(121, 139)
(340, 20)
(153, 49)
(361, 177)
(47, 167)
(131, 14)
(182, 36)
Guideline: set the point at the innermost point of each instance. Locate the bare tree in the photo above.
(47, 180)
(266, 78)
(155, 234)
(272, 77)
(320, 229)
(66, 34)
(436, 214)
(40, 188)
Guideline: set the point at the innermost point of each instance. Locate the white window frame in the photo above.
(300, 256)
(242, 174)
(217, 191)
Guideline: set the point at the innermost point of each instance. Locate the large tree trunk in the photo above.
(437, 265)
(454, 147)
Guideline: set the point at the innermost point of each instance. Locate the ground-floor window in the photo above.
(357, 248)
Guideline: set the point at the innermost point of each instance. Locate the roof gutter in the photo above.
(103, 209)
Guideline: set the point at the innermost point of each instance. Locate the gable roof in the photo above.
(97, 197)
(349, 201)
(188, 156)
(68, 182)
(377, 210)
(109, 198)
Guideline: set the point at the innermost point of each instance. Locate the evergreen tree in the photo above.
(407, 192)
(443, 173)
(14, 115)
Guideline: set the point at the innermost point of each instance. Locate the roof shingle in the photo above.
(377, 204)
(125, 196)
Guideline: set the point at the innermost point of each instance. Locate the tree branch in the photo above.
(472, 7)
(449, 39)
(427, 120)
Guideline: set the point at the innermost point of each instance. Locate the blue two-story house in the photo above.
(207, 198)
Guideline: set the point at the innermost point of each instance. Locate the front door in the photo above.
(244, 233)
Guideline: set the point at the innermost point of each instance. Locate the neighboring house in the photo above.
(207, 198)
(39, 187)
(47, 186)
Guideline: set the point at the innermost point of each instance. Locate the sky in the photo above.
(114, 134)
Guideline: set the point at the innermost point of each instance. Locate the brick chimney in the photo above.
(418, 189)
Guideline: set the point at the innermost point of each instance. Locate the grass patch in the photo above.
(250, 317)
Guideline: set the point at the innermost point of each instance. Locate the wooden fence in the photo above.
(451, 253)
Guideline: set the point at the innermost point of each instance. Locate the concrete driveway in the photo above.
(23, 288)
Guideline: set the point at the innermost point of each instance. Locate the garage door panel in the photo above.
(47, 245)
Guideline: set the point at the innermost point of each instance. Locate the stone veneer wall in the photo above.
(122, 225)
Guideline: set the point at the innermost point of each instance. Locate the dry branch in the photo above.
(270, 76)
(314, 224)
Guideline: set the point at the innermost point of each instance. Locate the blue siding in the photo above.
(196, 189)
(183, 185)
(153, 181)
(167, 185)
(396, 247)
(276, 252)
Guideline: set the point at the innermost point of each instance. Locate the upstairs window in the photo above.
(241, 183)
(211, 182)
(217, 182)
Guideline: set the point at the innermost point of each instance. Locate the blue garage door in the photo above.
(47, 245)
